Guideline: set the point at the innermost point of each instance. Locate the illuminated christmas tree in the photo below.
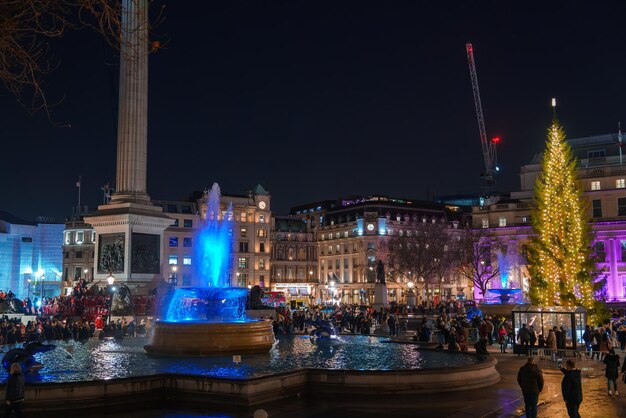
(561, 260)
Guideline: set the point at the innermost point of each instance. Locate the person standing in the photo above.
(612, 364)
(523, 336)
(530, 380)
(572, 388)
(15, 391)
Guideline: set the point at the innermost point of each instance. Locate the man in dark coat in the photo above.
(530, 379)
(572, 388)
(15, 391)
(612, 366)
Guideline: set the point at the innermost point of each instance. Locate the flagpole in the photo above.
(79, 186)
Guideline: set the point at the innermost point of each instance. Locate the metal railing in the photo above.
(552, 359)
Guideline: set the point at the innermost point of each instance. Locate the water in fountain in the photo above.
(213, 300)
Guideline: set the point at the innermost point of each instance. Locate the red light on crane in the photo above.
(496, 139)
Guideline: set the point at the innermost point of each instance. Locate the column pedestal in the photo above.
(380, 296)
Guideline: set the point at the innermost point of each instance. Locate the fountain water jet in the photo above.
(210, 319)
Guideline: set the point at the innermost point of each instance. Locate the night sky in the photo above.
(319, 100)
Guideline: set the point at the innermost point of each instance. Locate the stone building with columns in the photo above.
(349, 234)
(79, 241)
(602, 172)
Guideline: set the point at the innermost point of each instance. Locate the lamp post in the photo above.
(110, 281)
(29, 287)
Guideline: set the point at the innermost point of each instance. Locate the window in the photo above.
(525, 219)
(620, 183)
(66, 273)
(243, 246)
(68, 237)
(244, 217)
(77, 273)
(623, 248)
(173, 241)
(322, 237)
(330, 249)
(261, 219)
(243, 263)
(172, 260)
(599, 153)
(187, 260)
(595, 185)
(337, 235)
(172, 208)
(27, 239)
(175, 222)
(502, 221)
(345, 234)
(93, 236)
(186, 279)
(188, 223)
(67, 254)
(600, 251)
(371, 246)
(185, 209)
(243, 232)
(261, 233)
(80, 237)
(79, 254)
(596, 205)
(262, 247)
(338, 248)
(337, 263)
(187, 242)
(621, 206)
(261, 264)
(485, 222)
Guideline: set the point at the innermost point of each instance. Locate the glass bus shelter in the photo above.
(544, 318)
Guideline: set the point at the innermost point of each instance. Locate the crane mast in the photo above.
(490, 156)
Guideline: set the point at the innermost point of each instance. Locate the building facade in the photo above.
(30, 256)
(79, 241)
(294, 259)
(602, 172)
(349, 235)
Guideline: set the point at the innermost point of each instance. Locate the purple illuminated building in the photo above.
(602, 172)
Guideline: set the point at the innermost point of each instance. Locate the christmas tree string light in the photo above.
(561, 260)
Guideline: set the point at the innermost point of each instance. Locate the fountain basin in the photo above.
(202, 338)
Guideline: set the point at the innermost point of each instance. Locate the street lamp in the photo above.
(29, 287)
(85, 271)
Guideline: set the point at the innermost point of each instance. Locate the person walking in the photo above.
(612, 364)
(530, 380)
(572, 388)
(15, 391)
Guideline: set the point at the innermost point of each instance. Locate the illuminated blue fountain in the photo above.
(210, 318)
(214, 300)
(504, 293)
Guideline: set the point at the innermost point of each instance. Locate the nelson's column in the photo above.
(129, 230)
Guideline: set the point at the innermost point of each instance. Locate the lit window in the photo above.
(243, 263)
(345, 234)
(261, 233)
(261, 219)
(172, 260)
(502, 221)
(243, 232)
(337, 235)
(525, 219)
(322, 237)
(595, 185)
(68, 238)
(186, 242)
(173, 241)
(261, 264)
(620, 183)
(187, 260)
(244, 217)
(485, 223)
(93, 236)
(80, 237)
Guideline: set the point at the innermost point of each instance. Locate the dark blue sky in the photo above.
(318, 100)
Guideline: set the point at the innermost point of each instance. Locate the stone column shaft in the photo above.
(132, 125)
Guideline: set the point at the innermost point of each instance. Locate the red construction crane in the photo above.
(490, 155)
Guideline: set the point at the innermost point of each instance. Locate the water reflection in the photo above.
(104, 360)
